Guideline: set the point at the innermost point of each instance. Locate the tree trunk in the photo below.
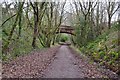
(35, 26)
(109, 22)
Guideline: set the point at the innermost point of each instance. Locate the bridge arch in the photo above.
(65, 29)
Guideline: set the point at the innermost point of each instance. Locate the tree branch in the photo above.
(8, 19)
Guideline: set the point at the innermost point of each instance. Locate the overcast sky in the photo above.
(67, 6)
(60, 0)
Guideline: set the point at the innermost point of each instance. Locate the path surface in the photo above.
(63, 66)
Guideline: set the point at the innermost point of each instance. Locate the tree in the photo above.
(112, 8)
(84, 11)
(18, 18)
(50, 23)
(37, 19)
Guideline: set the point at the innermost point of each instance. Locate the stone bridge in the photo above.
(66, 29)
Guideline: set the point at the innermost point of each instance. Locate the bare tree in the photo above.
(17, 18)
(85, 10)
(37, 19)
(112, 8)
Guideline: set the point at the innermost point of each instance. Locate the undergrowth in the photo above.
(104, 50)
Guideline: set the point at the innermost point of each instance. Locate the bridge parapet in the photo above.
(66, 29)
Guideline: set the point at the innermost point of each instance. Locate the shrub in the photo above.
(63, 38)
(101, 54)
(113, 55)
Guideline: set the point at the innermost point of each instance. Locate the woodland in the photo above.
(30, 25)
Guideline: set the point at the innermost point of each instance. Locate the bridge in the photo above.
(66, 29)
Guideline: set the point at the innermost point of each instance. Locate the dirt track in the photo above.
(63, 66)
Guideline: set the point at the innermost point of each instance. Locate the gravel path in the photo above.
(62, 66)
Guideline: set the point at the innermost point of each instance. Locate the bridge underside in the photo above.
(65, 32)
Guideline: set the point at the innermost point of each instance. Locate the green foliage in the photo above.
(17, 48)
(101, 54)
(104, 49)
(63, 38)
(116, 26)
(22, 48)
(113, 55)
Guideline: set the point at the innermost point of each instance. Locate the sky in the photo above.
(67, 6)
(61, 0)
